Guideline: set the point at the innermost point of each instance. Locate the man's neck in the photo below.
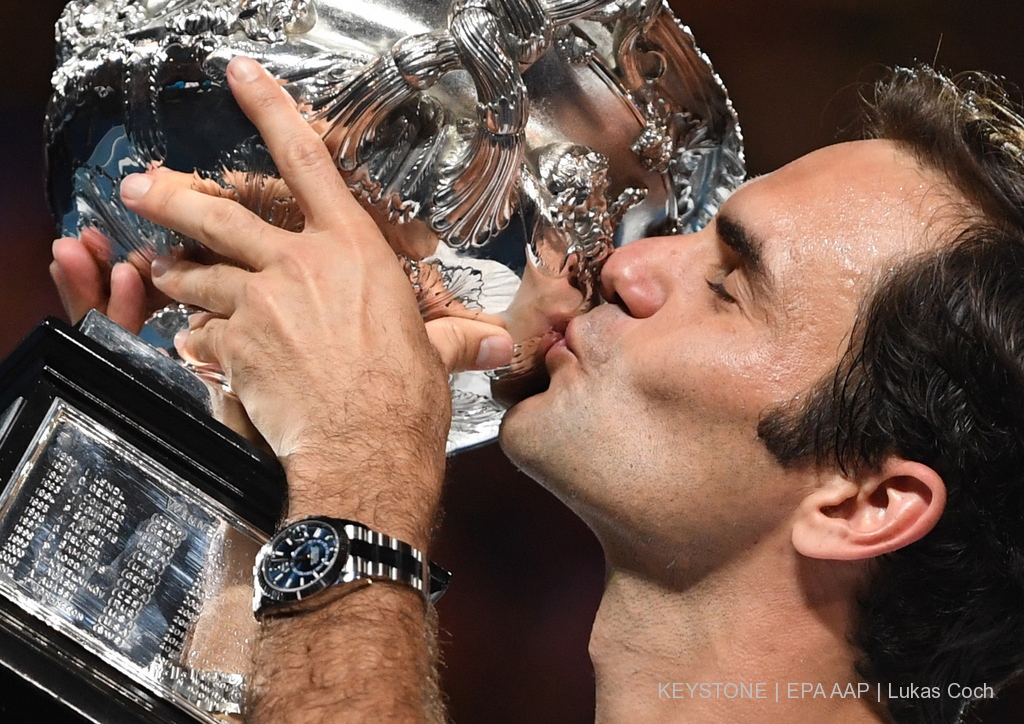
(756, 643)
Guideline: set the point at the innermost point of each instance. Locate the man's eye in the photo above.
(719, 289)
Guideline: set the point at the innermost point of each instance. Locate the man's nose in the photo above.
(637, 275)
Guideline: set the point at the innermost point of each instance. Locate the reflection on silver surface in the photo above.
(128, 347)
(535, 135)
(127, 559)
(7, 418)
(199, 393)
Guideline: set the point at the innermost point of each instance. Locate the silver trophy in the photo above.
(505, 147)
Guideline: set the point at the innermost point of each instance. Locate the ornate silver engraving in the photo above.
(576, 221)
(445, 118)
(572, 47)
(443, 290)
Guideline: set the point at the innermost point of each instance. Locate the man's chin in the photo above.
(533, 439)
(520, 435)
(516, 428)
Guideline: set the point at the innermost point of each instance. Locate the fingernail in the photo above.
(245, 69)
(136, 186)
(494, 352)
(120, 268)
(160, 266)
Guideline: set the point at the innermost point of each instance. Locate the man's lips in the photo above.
(549, 341)
(559, 342)
(512, 390)
(569, 334)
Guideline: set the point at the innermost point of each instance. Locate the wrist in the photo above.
(398, 496)
(312, 561)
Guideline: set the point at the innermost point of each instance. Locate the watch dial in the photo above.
(301, 555)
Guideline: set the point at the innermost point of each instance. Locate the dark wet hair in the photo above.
(935, 373)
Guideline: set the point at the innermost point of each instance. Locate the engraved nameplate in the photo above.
(108, 546)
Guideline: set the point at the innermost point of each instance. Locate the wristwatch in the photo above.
(319, 555)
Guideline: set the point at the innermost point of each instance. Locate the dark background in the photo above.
(528, 575)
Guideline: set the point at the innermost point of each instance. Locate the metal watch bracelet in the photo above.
(316, 555)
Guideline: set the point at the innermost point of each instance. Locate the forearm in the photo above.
(392, 487)
(320, 333)
(371, 654)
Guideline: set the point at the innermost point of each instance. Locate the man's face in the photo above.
(649, 427)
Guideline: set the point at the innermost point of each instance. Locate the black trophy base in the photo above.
(46, 673)
(23, 701)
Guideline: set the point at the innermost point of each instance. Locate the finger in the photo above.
(218, 288)
(225, 226)
(301, 156)
(490, 319)
(98, 245)
(127, 305)
(61, 282)
(468, 344)
(198, 319)
(80, 281)
(202, 345)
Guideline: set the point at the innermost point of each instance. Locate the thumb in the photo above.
(469, 344)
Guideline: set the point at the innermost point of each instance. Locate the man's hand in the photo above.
(318, 332)
(81, 271)
(320, 335)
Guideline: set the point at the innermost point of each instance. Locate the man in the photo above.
(752, 467)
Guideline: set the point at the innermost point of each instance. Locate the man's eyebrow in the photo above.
(739, 239)
(747, 246)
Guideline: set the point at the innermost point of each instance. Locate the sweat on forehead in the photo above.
(855, 206)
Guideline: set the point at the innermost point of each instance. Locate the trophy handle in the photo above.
(495, 43)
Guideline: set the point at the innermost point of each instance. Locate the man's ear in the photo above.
(852, 519)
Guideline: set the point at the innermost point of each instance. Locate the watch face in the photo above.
(302, 559)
